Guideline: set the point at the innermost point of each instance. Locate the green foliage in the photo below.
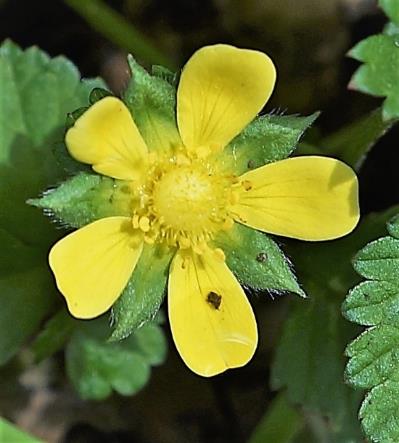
(40, 92)
(309, 360)
(256, 260)
(54, 335)
(379, 75)
(374, 355)
(352, 143)
(96, 367)
(267, 139)
(143, 295)
(280, 424)
(9, 433)
(85, 198)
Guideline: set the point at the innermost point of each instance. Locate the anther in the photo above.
(184, 243)
(144, 224)
(135, 221)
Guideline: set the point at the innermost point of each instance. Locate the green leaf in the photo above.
(40, 92)
(96, 367)
(152, 101)
(257, 260)
(26, 298)
(379, 260)
(55, 334)
(37, 94)
(379, 75)
(372, 303)
(9, 433)
(379, 413)
(374, 355)
(86, 198)
(267, 139)
(352, 143)
(143, 295)
(309, 359)
(328, 264)
(393, 227)
(280, 424)
(391, 9)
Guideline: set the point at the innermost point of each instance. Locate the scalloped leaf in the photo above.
(309, 360)
(374, 355)
(97, 367)
(37, 93)
(376, 76)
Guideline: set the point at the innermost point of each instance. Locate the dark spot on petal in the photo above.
(261, 257)
(214, 299)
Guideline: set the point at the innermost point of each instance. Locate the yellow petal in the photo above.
(106, 137)
(93, 265)
(221, 90)
(211, 334)
(309, 198)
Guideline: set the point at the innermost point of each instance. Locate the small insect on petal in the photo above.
(214, 299)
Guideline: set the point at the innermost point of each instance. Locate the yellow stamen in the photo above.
(144, 224)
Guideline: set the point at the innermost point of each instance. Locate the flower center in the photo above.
(184, 202)
(188, 198)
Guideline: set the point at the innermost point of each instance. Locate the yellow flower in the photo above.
(182, 197)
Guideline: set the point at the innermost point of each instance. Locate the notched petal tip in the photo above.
(222, 88)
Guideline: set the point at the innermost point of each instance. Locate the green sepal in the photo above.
(152, 102)
(96, 367)
(98, 94)
(86, 198)
(391, 9)
(379, 260)
(375, 76)
(165, 74)
(267, 139)
(74, 115)
(256, 260)
(143, 295)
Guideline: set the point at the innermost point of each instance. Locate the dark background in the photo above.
(308, 40)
